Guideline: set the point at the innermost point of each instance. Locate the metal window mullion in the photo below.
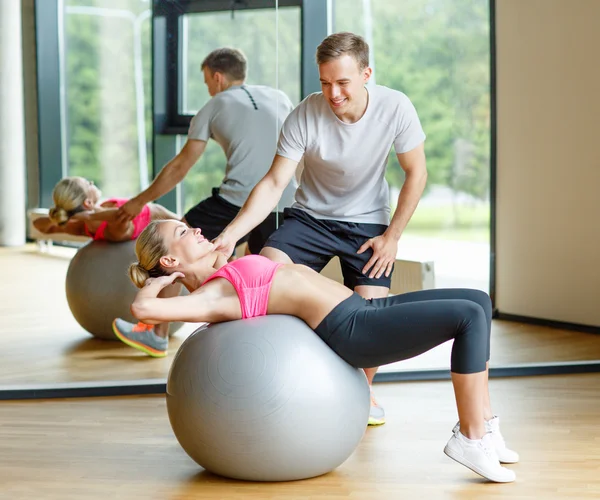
(316, 25)
(50, 136)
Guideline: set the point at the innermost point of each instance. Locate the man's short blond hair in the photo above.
(230, 62)
(339, 44)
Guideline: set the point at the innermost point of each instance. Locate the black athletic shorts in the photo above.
(314, 242)
(213, 214)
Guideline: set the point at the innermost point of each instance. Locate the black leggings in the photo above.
(369, 333)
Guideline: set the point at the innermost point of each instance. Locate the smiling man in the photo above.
(344, 135)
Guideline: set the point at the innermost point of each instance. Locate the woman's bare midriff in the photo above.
(299, 291)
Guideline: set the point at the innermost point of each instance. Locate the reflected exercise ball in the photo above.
(265, 399)
(99, 289)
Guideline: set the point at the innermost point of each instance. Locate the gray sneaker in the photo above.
(142, 337)
(376, 414)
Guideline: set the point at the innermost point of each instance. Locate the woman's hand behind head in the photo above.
(164, 281)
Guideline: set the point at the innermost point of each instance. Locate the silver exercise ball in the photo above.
(99, 289)
(265, 399)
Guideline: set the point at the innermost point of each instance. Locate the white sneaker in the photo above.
(505, 455)
(479, 456)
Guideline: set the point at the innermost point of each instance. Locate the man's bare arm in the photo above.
(261, 202)
(171, 175)
(414, 164)
(385, 247)
(173, 172)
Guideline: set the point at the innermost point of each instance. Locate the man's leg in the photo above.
(372, 292)
(300, 240)
(369, 288)
(276, 255)
(258, 237)
(377, 413)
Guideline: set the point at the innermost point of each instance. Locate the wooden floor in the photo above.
(42, 343)
(124, 448)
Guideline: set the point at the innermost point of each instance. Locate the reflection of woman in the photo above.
(363, 332)
(77, 210)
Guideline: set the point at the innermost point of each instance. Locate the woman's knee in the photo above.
(481, 298)
(473, 313)
(470, 351)
(485, 302)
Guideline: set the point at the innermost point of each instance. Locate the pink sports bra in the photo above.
(251, 276)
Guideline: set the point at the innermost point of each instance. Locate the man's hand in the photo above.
(224, 244)
(129, 211)
(385, 249)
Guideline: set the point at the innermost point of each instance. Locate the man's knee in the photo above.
(276, 255)
(372, 292)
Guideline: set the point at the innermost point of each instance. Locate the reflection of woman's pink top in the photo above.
(139, 222)
(251, 276)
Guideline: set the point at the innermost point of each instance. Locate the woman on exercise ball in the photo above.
(78, 210)
(363, 332)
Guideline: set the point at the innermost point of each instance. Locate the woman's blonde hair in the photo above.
(149, 248)
(68, 195)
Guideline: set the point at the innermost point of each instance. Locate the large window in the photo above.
(254, 32)
(105, 66)
(437, 52)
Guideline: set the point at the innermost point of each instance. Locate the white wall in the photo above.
(548, 164)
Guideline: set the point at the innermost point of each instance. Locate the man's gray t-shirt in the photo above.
(344, 163)
(245, 120)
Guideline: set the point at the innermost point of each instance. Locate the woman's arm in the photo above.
(46, 226)
(188, 308)
(107, 214)
(115, 230)
(200, 306)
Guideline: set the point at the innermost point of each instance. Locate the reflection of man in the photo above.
(245, 120)
(344, 134)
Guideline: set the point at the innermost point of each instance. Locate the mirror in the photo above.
(105, 53)
(107, 135)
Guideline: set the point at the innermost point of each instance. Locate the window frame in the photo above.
(167, 52)
(316, 21)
